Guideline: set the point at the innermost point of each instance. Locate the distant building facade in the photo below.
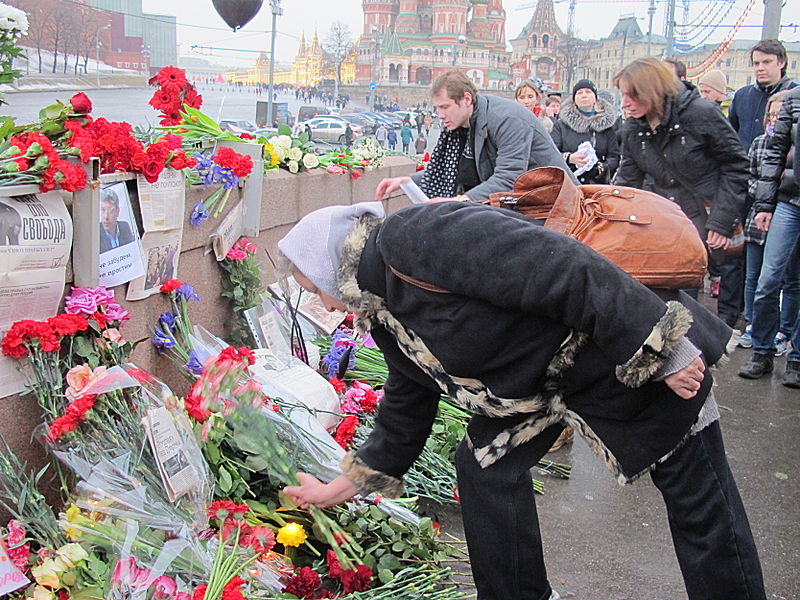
(411, 42)
(536, 51)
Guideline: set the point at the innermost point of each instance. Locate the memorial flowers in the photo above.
(13, 25)
(173, 92)
(225, 168)
(241, 285)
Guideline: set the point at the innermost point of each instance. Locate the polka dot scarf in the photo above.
(439, 177)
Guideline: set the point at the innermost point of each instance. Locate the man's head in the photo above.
(109, 211)
(769, 61)
(713, 86)
(677, 67)
(454, 95)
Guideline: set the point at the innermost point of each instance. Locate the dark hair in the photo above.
(456, 84)
(774, 47)
(107, 195)
(680, 68)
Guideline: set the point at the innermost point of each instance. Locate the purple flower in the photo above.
(198, 214)
(167, 319)
(194, 365)
(187, 292)
(333, 360)
(162, 339)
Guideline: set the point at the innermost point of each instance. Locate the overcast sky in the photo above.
(200, 25)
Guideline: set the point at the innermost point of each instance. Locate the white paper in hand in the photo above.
(587, 150)
(413, 191)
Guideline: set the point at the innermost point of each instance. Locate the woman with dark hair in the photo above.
(687, 150)
(588, 118)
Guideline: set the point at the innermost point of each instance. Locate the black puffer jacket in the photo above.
(693, 157)
(573, 128)
(554, 332)
(775, 158)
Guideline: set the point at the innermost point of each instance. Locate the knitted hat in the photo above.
(716, 80)
(315, 244)
(584, 84)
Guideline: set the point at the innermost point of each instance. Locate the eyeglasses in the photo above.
(772, 115)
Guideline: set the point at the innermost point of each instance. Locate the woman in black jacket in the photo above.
(588, 118)
(555, 335)
(687, 150)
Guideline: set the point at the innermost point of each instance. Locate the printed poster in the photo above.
(120, 249)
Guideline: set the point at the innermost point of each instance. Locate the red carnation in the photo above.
(170, 285)
(357, 580)
(346, 431)
(304, 584)
(338, 385)
(192, 401)
(355, 174)
(192, 98)
(231, 590)
(152, 169)
(81, 104)
(199, 592)
(66, 324)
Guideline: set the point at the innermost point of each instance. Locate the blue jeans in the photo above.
(709, 526)
(780, 251)
(790, 299)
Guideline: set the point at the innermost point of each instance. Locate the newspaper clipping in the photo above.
(35, 244)
(162, 206)
(120, 250)
(228, 232)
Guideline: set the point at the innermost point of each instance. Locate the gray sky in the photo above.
(199, 23)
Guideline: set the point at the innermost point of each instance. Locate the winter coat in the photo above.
(693, 157)
(391, 137)
(553, 333)
(574, 128)
(774, 162)
(504, 130)
(747, 109)
(406, 135)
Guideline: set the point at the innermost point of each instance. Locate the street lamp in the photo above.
(376, 67)
(97, 48)
(275, 7)
(461, 41)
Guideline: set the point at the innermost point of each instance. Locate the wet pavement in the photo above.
(606, 542)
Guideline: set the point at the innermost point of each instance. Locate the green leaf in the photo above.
(257, 462)
(83, 347)
(389, 562)
(212, 453)
(224, 481)
(781, 475)
(284, 129)
(246, 442)
(385, 575)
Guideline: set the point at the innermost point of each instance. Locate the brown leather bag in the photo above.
(643, 233)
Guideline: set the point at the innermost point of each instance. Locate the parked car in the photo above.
(392, 124)
(237, 127)
(266, 132)
(330, 130)
(394, 118)
(309, 112)
(367, 124)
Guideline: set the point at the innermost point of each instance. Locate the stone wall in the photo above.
(285, 199)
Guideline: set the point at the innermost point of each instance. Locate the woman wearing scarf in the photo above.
(588, 118)
(551, 335)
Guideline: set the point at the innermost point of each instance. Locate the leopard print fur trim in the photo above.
(368, 480)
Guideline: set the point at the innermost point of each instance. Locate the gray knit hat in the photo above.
(314, 245)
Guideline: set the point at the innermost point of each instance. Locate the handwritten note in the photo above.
(11, 578)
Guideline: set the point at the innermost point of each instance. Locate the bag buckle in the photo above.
(508, 200)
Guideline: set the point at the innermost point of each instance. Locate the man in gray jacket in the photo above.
(486, 142)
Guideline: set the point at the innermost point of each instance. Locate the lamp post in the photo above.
(376, 66)
(275, 7)
(97, 50)
(460, 41)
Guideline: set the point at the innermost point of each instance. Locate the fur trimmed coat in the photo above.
(573, 128)
(552, 333)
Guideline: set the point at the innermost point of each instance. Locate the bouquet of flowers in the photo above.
(241, 285)
(295, 153)
(364, 155)
(225, 168)
(173, 93)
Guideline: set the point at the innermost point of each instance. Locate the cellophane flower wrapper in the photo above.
(113, 461)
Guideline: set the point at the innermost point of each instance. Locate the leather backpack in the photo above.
(644, 234)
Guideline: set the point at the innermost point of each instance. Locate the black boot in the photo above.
(759, 365)
(791, 377)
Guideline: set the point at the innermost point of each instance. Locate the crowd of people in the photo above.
(535, 333)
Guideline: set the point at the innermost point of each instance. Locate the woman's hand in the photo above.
(389, 185)
(763, 220)
(312, 491)
(578, 159)
(717, 241)
(686, 382)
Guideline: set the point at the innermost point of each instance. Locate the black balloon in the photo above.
(237, 13)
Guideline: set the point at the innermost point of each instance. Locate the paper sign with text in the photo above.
(11, 578)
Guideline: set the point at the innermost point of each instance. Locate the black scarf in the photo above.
(439, 177)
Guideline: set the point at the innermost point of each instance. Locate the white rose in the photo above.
(282, 140)
(280, 152)
(294, 166)
(295, 154)
(310, 161)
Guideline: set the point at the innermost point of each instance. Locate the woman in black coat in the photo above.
(554, 335)
(685, 146)
(588, 118)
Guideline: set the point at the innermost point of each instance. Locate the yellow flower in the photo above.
(291, 534)
(47, 574)
(72, 514)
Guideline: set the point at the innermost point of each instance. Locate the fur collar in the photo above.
(604, 118)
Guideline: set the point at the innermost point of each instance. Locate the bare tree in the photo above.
(40, 13)
(573, 52)
(337, 45)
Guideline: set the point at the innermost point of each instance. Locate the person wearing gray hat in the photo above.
(551, 335)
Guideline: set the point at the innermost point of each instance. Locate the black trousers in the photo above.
(710, 531)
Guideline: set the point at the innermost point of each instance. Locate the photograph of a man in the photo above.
(113, 232)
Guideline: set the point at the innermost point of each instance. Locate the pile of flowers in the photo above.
(364, 155)
(31, 158)
(225, 168)
(173, 93)
(295, 153)
(241, 286)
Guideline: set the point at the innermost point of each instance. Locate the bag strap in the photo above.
(418, 282)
